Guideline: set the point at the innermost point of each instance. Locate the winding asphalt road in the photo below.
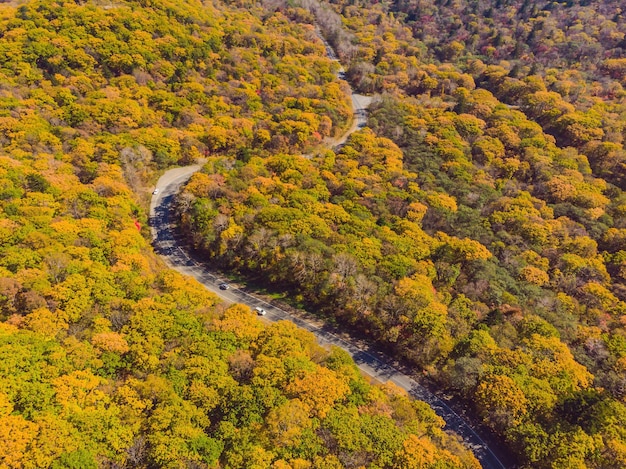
(370, 361)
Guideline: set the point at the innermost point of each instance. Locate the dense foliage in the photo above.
(477, 228)
(107, 359)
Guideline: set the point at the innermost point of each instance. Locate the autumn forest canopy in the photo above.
(475, 230)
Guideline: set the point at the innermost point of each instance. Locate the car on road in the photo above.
(260, 311)
(155, 191)
(224, 286)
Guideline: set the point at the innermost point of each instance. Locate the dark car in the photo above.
(224, 286)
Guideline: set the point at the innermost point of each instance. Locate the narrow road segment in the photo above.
(373, 363)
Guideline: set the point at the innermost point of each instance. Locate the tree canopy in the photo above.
(107, 358)
(475, 227)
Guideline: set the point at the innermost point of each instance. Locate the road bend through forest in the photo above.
(369, 360)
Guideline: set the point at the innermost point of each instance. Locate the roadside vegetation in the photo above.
(108, 359)
(476, 228)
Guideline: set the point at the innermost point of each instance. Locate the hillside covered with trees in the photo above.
(107, 358)
(476, 228)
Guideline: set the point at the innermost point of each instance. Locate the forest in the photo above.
(108, 359)
(476, 228)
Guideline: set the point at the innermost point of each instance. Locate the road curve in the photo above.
(373, 363)
(360, 102)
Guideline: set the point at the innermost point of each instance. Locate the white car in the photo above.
(260, 311)
(155, 191)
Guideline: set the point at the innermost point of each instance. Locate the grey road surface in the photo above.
(371, 362)
(360, 102)
(374, 364)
